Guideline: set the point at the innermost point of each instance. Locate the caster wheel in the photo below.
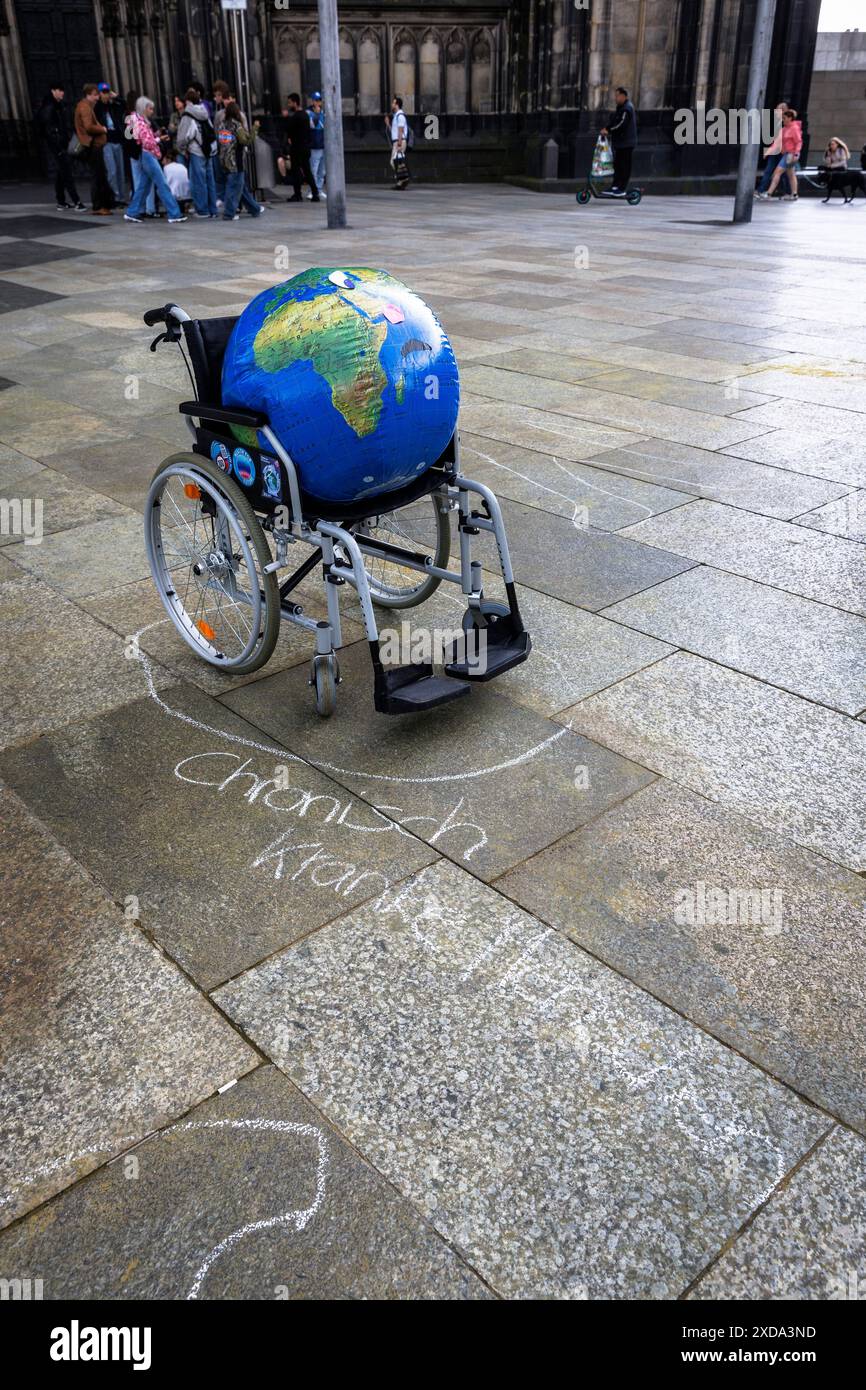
(324, 678)
(634, 196)
(583, 196)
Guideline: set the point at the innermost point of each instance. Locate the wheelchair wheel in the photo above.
(421, 527)
(324, 678)
(207, 554)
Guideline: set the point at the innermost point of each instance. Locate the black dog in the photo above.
(844, 181)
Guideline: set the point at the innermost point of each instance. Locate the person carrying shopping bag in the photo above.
(773, 152)
(150, 168)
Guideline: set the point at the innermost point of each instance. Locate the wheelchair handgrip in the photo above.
(154, 316)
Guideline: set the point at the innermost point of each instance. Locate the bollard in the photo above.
(550, 160)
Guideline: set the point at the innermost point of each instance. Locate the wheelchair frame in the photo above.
(329, 529)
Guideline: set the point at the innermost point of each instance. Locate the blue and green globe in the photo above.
(355, 374)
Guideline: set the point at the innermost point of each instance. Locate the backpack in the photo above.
(208, 136)
(226, 142)
(410, 135)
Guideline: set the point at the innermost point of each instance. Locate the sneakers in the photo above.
(790, 197)
(127, 217)
(173, 221)
(762, 197)
(227, 217)
(78, 207)
(64, 207)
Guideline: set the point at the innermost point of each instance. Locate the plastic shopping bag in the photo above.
(602, 159)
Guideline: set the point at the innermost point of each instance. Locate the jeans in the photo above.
(151, 176)
(772, 162)
(202, 185)
(114, 169)
(219, 175)
(150, 204)
(238, 194)
(317, 164)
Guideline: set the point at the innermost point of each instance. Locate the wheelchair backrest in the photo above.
(206, 340)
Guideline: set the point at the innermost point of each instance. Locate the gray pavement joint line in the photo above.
(705, 494)
(753, 1216)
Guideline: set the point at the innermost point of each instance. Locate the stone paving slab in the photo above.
(485, 781)
(154, 800)
(543, 430)
(581, 566)
(787, 556)
(565, 488)
(714, 399)
(801, 646)
(838, 423)
(574, 653)
(90, 558)
(57, 665)
(808, 1241)
(571, 1136)
(754, 487)
(37, 426)
(149, 1225)
(103, 1038)
(847, 517)
(787, 764)
(59, 503)
(806, 451)
(755, 940)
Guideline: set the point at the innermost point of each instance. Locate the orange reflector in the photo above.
(191, 490)
(205, 629)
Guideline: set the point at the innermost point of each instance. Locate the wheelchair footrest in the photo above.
(487, 652)
(407, 689)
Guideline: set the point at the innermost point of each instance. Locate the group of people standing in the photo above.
(198, 156)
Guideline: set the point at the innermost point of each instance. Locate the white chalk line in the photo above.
(297, 1218)
(283, 755)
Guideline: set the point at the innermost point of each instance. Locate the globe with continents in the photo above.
(355, 374)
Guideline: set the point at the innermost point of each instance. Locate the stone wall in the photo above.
(837, 103)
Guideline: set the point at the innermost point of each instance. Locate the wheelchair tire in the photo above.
(205, 547)
(386, 588)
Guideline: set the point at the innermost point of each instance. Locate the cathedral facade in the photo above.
(489, 83)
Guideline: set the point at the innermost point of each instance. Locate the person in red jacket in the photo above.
(792, 144)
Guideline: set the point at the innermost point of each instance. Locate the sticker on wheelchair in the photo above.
(272, 485)
(221, 456)
(245, 469)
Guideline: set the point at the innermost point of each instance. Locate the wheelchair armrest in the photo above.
(252, 419)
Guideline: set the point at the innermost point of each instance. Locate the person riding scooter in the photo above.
(622, 132)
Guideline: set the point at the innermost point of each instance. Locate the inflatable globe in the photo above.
(355, 374)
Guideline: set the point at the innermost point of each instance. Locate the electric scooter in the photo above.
(632, 196)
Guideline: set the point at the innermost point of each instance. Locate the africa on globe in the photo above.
(355, 374)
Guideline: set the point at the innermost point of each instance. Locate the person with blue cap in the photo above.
(316, 114)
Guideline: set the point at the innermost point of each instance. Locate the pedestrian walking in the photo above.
(196, 140)
(773, 152)
(298, 135)
(55, 132)
(792, 144)
(316, 114)
(622, 132)
(399, 133)
(109, 112)
(92, 136)
(150, 171)
(132, 150)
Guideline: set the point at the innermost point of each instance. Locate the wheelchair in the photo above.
(222, 520)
